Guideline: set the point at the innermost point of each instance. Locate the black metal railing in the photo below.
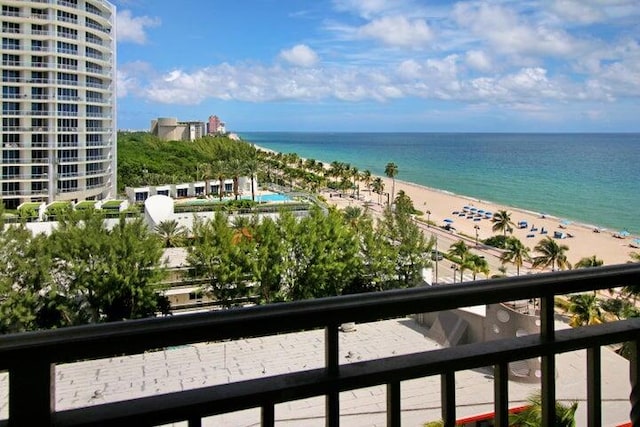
(30, 358)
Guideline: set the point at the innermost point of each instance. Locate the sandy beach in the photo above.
(584, 241)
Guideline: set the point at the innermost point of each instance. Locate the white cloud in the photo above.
(478, 60)
(300, 55)
(503, 29)
(133, 29)
(397, 31)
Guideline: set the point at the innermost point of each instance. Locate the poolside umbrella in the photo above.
(448, 220)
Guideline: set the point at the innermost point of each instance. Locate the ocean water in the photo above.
(588, 178)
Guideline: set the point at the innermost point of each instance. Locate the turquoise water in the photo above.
(588, 178)
(271, 198)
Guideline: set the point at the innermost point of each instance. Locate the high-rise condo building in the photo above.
(58, 101)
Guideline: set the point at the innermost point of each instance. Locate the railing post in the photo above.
(548, 380)
(332, 400)
(501, 394)
(634, 378)
(393, 404)
(448, 398)
(31, 393)
(268, 415)
(594, 387)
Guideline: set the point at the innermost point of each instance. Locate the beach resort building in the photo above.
(215, 126)
(170, 129)
(58, 101)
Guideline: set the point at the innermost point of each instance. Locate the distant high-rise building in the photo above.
(58, 101)
(215, 126)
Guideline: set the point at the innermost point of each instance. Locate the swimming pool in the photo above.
(273, 197)
(264, 198)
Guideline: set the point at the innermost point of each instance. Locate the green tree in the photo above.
(378, 187)
(271, 260)
(365, 177)
(391, 171)
(400, 229)
(461, 251)
(502, 222)
(404, 204)
(226, 266)
(515, 253)
(477, 264)
(588, 262)
(325, 252)
(532, 415)
(585, 310)
(172, 233)
(552, 254)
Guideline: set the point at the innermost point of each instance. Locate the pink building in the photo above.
(215, 126)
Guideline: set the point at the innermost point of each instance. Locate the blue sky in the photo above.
(382, 65)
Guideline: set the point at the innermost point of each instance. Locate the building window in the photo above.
(67, 17)
(68, 79)
(142, 196)
(10, 60)
(68, 185)
(69, 48)
(10, 139)
(68, 140)
(10, 44)
(67, 109)
(67, 170)
(67, 63)
(182, 192)
(228, 187)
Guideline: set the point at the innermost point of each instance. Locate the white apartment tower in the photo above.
(58, 101)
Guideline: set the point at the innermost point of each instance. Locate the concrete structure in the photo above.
(191, 189)
(487, 323)
(215, 126)
(58, 101)
(170, 129)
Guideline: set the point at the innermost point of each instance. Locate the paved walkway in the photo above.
(181, 368)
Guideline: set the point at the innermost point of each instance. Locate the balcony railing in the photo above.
(30, 358)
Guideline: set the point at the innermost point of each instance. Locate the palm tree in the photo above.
(478, 264)
(378, 187)
(203, 172)
(585, 310)
(553, 255)
(502, 222)
(532, 415)
(461, 250)
(236, 168)
(588, 262)
(365, 177)
(219, 171)
(515, 253)
(391, 170)
(171, 233)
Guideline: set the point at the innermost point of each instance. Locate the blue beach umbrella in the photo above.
(473, 209)
(448, 220)
(480, 211)
(466, 208)
(624, 233)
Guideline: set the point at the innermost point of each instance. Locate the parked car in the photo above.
(436, 255)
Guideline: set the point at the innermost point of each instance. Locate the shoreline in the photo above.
(581, 238)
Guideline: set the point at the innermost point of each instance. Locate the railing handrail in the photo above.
(135, 336)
